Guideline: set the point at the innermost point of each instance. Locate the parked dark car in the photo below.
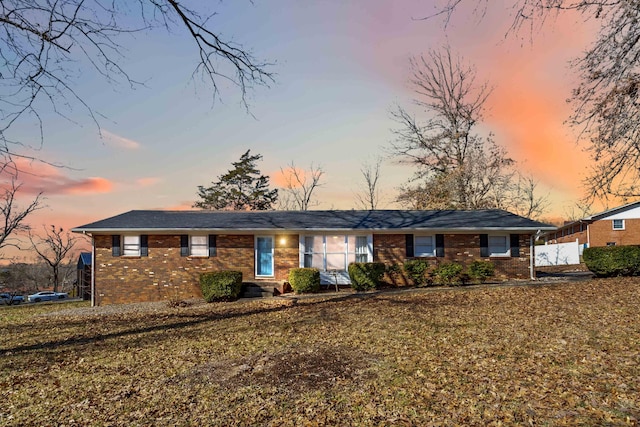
(9, 299)
(47, 296)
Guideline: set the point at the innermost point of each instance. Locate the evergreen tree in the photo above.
(241, 188)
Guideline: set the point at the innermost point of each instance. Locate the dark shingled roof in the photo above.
(141, 220)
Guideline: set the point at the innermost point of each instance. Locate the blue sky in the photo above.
(340, 67)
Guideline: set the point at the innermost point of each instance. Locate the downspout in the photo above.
(532, 256)
(93, 272)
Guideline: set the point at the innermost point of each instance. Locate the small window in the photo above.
(611, 243)
(498, 246)
(424, 246)
(618, 224)
(131, 246)
(361, 249)
(199, 246)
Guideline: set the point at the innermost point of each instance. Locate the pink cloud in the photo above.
(37, 177)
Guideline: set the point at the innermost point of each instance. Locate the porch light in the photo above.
(283, 240)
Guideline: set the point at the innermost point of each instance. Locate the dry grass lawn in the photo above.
(550, 354)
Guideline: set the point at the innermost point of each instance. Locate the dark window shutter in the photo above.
(484, 245)
(440, 245)
(515, 245)
(184, 245)
(115, 245)
(144, 245)
(409, 245)
(213, 247)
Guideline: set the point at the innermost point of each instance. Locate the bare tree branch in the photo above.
(300, 186)
(53, 248)
(369, 196)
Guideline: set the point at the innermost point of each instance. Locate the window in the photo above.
(611, 243)
(362, 252)
(199, 246)
(131, 246)
(498, 246)
(618, 224)
(333, 252)
(424, 246)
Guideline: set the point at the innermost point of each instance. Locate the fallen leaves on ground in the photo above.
(553, 354)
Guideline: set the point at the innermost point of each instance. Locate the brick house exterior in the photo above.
(155, 255)
(617, 226)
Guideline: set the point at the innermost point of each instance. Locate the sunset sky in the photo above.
(340, 67)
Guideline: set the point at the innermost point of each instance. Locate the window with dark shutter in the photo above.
(409, 245)
(213, 246)
(484, 245)
(440, 245)
(144, 245)
(115, 245)
(515, 244)
(184, 245)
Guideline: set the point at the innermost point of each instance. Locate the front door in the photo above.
(264, 256)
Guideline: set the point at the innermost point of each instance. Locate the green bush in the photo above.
(221, 285)
(612, 261)
(366, 275)
(449, 274)
(304, 280)
(480, 271)
(417, 270)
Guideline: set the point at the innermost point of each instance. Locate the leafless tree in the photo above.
(299, 188)
(369, 196)
(578, 210)
(43, 41)
(12, 215)
(452, 158)
(526, 199)
(606, 103)
(53, 248)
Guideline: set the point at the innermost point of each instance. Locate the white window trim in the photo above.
(506, 253)
(348, 250)
(124, 246)
(424, 254)
(613, 224)
(206, 245)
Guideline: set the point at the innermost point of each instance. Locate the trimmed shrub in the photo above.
(612, 261)
(366, 275)
(304, 280)
(221, 285)
(480, 271)
(449, 274)
(417, 270)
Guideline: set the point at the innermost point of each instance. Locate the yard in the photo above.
(546, 354)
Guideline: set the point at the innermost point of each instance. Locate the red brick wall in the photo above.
(165, 274)
(581, 236)
(461, 248)
(601, 232)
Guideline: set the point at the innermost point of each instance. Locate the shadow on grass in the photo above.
(193, 320)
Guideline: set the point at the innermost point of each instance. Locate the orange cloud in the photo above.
(37, 177)
(148, 181)
(183, 206)
(120, 141)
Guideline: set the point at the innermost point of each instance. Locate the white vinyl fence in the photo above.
(558, 254)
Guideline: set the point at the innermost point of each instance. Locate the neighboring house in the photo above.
(153, 255)
(614, 227)
(83, 280)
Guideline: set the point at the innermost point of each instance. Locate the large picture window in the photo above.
(334, 252)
